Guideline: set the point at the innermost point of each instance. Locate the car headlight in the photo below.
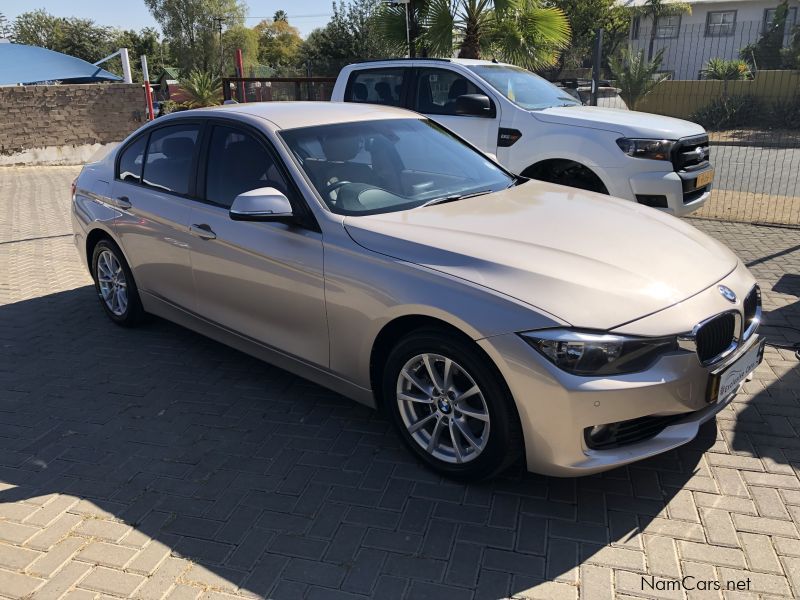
(652, 149)
(591, 353)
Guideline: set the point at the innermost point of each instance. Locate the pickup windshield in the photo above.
(387, 165)
(524, 88)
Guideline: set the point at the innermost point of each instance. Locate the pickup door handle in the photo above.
(202, 231)
(121, 202)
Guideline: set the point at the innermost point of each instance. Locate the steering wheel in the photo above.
(333, 186)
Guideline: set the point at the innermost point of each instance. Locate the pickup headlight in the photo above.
(652, 149)
(595, 354)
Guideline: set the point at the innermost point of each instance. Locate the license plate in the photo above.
(704, 178)
(726, 382)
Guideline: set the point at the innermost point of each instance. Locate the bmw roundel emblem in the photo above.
(727, 293)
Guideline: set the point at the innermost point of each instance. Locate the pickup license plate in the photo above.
(724, 383)
(704, 178)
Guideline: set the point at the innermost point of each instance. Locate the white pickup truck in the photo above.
(537, 130)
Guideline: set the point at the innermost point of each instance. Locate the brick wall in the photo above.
(44, 116)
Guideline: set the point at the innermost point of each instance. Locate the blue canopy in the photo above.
(31, 64)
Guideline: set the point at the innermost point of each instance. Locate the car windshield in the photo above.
(524, 88)
(379, 166)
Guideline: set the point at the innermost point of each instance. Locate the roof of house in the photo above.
(170, 73)
(31, 64)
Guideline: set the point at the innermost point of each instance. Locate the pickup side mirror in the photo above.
(474, 105)
(262, 204)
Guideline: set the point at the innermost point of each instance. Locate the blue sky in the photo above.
(133, 14)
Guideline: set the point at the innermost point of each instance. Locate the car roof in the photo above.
(458, 61)
(289, 115)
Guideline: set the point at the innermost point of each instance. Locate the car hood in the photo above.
(591, 260)
(629, 123)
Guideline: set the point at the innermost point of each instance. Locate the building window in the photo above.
(668, 26)
(635, 23)
(791, 18)
(720, 23)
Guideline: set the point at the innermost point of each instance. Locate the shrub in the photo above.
(726, 70)
(786, 113)
(728, 112)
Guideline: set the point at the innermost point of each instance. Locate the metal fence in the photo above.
(752, 115)
(268, 89)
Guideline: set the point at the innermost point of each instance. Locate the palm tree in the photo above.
(635, 76)
(655, 9)
(203, 89)
(523, 32)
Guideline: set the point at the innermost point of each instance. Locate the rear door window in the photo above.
(170, 158)
(377, 86)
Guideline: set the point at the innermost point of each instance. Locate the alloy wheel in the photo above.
(112, 283)
(443, 409)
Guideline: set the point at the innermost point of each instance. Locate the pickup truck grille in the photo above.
(691, 154)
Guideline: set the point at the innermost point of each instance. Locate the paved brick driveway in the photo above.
(155, 463)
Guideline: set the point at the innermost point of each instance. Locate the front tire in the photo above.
(451, 409)
(113, 281)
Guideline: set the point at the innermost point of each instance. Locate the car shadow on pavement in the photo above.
(767, 424)
(283, 489)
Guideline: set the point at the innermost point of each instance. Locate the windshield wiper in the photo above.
(454, 197)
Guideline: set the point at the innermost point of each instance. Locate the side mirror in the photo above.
(474, 105)
(262, 204)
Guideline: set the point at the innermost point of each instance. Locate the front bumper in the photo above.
(556, 408)
(681, 195)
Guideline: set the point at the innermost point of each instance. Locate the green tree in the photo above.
(81, 38)
(278, 42)
(635, 76)
(6, 33)
(241, 38)
(528, 33)
(192, 28)
(585, 17)
(145, 41)
(767, 52)
(348, 36)
(203, 89)
(653, 10)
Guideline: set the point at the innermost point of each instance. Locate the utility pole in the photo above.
(405, 4)
(218, 21)
(596, 64)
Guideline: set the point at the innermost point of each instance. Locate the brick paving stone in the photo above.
(179, 468)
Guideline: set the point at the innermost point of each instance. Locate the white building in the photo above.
(714, 29)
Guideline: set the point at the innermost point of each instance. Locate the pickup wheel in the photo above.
(566, 172)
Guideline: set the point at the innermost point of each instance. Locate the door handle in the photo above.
(121, 202)
(202, 231)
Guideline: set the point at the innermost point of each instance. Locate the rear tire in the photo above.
(115, 286)
(450, 407)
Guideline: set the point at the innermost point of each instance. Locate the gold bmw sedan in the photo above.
(372, 251)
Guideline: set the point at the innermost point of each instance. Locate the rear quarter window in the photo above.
(377, 86)
(131, 160)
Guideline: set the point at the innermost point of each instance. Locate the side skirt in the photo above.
(162, 308)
